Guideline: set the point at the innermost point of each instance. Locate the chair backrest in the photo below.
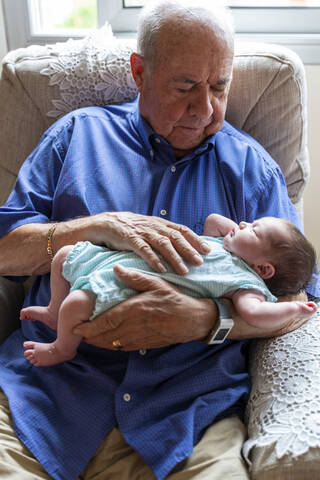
(40, 83)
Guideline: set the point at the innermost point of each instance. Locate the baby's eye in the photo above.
(254, 230)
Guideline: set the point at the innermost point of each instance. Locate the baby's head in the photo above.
(277, 251)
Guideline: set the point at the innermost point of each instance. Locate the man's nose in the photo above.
(202, 105)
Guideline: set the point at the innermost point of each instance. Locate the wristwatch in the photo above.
(223, 326)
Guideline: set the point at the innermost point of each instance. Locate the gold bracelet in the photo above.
(49, 241)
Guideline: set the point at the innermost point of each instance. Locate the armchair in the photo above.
(267, 100)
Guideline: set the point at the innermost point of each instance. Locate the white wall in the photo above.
(312, 193)
(3, 41)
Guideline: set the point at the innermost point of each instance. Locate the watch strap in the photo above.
(223, 326)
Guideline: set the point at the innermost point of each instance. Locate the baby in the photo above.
(245, 261)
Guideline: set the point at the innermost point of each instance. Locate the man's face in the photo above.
(184, 95)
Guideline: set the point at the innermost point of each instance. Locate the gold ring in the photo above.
(117, 344)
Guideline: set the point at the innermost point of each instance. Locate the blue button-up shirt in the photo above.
(108, 159)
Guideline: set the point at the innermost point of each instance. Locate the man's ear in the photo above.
(137, 69)
(265, 270)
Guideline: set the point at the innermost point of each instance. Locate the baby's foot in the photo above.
(45, 354)
(42, 314)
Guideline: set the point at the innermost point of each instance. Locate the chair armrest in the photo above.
(11, 299)
(284, 408)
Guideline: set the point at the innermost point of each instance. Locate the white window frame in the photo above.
(296, 27)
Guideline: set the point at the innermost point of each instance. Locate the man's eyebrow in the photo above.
(181, 79)
(184, 80)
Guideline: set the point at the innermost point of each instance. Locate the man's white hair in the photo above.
(157, 13)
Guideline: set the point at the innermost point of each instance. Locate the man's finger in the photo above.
(192, 238)
(137, 280)
(104, 322)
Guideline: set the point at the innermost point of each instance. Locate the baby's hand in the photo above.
(306, 309)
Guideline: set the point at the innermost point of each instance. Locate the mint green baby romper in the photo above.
(90, 267)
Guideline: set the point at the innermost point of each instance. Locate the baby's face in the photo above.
(250, 241)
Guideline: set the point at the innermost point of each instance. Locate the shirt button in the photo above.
(163, 212)
(142, 351)
(158, 140)
(127, 397)
(173, 168)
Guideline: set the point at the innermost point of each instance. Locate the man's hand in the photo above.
(157, 317)
(148, 236)
(242, 330)
(161, 315)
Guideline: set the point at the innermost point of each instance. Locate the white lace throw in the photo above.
(91, 71)
(284, 407)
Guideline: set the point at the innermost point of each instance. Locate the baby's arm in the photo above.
(253, 308)
(218, 226)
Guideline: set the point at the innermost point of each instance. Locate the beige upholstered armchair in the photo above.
(267, 100)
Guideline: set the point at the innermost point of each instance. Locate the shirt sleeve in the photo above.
(31, 199)
(271, 198)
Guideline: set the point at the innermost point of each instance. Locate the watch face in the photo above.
(221, 334)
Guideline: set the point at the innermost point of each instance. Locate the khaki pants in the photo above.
(216, 457)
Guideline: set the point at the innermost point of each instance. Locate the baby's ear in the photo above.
(265, 270)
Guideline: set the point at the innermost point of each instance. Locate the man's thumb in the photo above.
(137, 280)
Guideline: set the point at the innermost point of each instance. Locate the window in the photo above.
(61, 15)
(294, 23)
(133, 3)
(46, 21)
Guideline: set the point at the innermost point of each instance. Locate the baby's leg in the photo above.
(76, 308)
(59, 290)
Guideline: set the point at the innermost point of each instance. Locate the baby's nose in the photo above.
(243, 225)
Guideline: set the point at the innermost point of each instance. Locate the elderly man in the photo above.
(150, 397)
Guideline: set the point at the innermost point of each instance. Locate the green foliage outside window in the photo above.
(85, 16)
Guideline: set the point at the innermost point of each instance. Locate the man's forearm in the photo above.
(23, 251)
